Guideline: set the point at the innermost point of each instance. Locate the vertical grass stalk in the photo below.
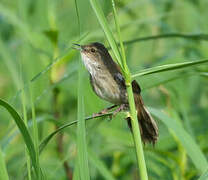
(35, 132)
(25, 121)
(136, 135)
(133, 113)
(121, 59)
(81, 126)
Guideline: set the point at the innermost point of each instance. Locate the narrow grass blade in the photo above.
(3, 171)
(84, 173)
(104, 24)
(23, 100)
(6, 140)
(25, 134)
(186, 140)
(168, 67)
(76, 172)
(64, 56)
(203, 37)
(123, 55)
(35, 131)
(50, 136)
(81, 132)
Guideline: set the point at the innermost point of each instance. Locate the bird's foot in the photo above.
(103, 112)
(122, 107)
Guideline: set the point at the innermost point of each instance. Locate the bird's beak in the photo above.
(77, 46)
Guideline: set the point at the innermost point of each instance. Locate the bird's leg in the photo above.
(122, 107)
(104, 111)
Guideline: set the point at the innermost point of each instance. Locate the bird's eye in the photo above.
(92, 50)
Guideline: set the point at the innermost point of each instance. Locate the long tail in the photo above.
(148, 126)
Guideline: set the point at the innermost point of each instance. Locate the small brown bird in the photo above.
(108, 83)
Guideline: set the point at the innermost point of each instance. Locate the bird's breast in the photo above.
(103, 83)
(106, 88)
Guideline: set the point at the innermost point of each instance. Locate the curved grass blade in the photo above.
(25, 134)
(186, 140)
(203, 37)
(3, 171)
(168, 67)
(177, 76)
(5, 141)
(52, 86)
(65, 55)
(8, 138)
(50, 136)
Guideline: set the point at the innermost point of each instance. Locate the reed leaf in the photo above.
(169, 67)
(24, 132)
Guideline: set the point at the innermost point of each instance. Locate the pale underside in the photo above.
(104, 84)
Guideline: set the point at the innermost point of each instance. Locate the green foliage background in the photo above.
(37, 62)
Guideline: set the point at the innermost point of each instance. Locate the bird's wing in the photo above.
(118, 77)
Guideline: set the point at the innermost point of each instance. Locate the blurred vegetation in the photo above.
(38, 78)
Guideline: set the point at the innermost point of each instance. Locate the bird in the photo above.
(108, 83)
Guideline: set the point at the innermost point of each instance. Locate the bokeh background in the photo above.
(36, 56)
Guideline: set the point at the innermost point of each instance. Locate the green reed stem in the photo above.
(133, 113)
(121, 59)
